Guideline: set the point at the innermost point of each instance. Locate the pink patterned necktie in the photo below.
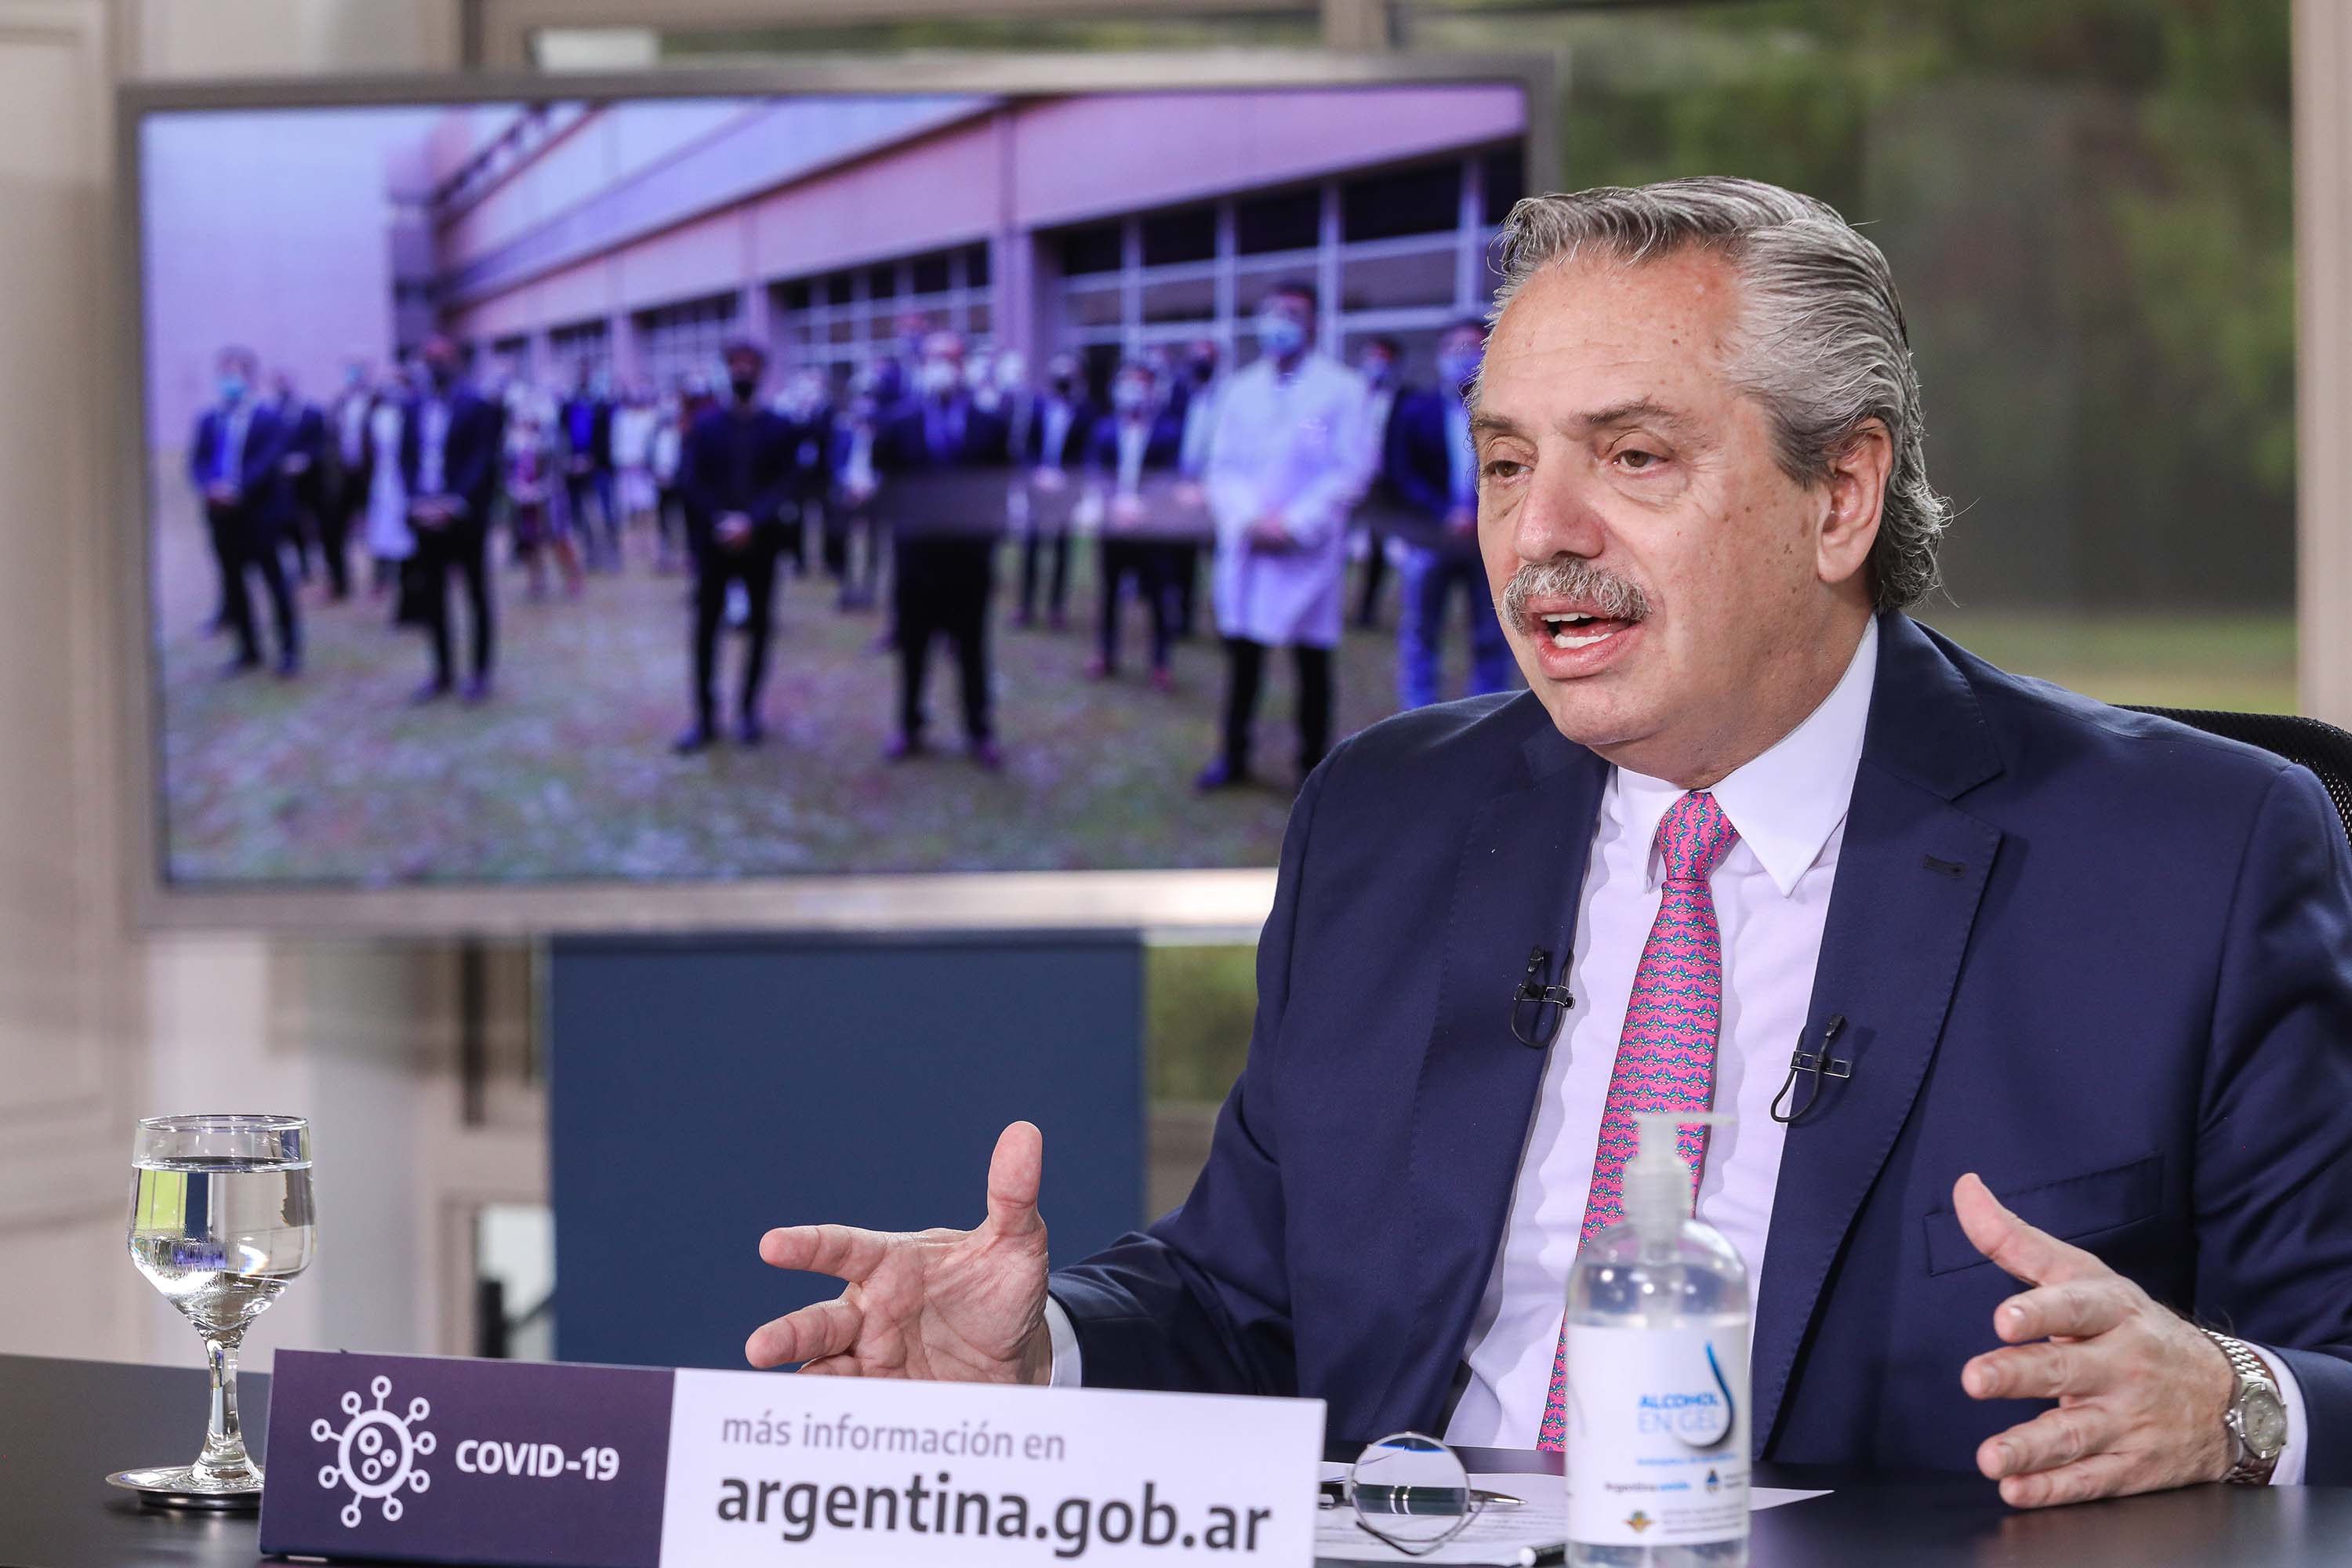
(1665, 1057)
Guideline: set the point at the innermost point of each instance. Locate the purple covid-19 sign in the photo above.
(435, 1460)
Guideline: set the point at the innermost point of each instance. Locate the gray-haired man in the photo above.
(2103, 959)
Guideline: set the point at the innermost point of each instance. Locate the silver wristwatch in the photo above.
(2256, 1418)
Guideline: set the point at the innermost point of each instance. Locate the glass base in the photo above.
(178, 1485)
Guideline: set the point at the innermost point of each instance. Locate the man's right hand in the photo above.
(953, 1306)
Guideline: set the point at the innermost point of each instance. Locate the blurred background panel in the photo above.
(2089, 205)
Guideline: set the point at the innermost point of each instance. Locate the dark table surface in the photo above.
(65, 1424)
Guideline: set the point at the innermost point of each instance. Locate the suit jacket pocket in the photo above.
(2073, 1210)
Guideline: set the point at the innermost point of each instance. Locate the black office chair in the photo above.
(2323, 748)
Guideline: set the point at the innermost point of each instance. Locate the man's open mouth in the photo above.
(1573, 629)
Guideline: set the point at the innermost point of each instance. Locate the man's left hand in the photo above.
(2140, 1391)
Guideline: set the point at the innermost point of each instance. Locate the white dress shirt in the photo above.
(1054, 441)
(1134, 446)
(432, 446)
(1771, 895)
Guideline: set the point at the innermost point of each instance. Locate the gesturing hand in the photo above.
(2140, 1392)
(955, 1305)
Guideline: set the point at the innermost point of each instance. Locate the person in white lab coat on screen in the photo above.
(1285, 469)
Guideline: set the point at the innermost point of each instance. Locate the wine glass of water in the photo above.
(220, 1221)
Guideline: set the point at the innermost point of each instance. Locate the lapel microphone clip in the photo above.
(1819, 1063)
(1538, 1029)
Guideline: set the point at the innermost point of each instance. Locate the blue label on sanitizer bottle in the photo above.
(1657, 1435)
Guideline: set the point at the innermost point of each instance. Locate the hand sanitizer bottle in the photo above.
(1658, 1377)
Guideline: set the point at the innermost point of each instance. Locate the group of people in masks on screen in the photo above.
(912, 486)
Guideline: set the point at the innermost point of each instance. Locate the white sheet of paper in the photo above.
(1497, 1534)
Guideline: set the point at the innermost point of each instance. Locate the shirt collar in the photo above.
(1787, 802)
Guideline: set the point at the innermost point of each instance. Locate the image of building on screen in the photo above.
(710, 488)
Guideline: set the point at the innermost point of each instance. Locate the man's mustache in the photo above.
(1573, 577)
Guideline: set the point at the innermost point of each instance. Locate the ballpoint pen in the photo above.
(1414, 1499)
(1541, 1556)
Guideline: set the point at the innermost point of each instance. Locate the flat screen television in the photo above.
(802, 498)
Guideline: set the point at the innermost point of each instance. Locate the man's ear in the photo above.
(1856, 493)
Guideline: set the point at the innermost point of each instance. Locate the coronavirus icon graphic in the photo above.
(376, 1452)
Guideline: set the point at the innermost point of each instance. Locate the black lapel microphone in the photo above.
(1819, 1063)
(1539, 1007)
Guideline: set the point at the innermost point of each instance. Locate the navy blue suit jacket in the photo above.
(1084, 416)
(469, 451)
(1166, 434)
(2100, 959)
(1414, 459)
(257, 476)
(737, 460)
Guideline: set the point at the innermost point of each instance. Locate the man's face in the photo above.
(1613, 447)
(1285, 323)
(745, 367)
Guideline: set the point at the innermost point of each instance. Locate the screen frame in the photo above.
(1200, 901)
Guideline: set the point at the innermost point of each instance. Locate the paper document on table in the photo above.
(1499, 1533)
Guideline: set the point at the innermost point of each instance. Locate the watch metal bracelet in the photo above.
(2256, 1417)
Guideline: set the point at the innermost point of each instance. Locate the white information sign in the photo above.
(766, 1471)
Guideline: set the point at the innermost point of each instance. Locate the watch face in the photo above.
(2266, 1421)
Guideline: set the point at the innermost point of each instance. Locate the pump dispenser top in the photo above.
(1657, 1178)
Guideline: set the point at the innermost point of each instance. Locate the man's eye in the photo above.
(1636, 459)
(1502, 469)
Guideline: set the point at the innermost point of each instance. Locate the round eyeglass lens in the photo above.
(1412, 1491)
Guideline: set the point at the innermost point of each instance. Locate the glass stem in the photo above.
(224, 1459)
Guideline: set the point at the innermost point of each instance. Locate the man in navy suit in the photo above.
(1431, 469)
(1138, 437)
(943, 460)
(587, 424)
(1060, 423)
(302, 472)
(2094, 961)
(449, 451)
(232, 462)
(737, 477)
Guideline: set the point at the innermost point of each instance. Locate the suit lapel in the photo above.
(1522, 868)
(1910, 875)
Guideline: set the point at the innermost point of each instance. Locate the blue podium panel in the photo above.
(703, 1090)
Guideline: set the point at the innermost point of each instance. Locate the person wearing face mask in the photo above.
(736, 477)
(1017, 400)
(1057, 433)
(1286, 468)
(1433, 471)
(1138, 438)
(945, 463)
(586, 422)
(1377, 365)
(233, 463)
(449, 460)
(804, 406)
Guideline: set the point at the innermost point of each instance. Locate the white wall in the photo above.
(318, 295)
(97, 1026)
